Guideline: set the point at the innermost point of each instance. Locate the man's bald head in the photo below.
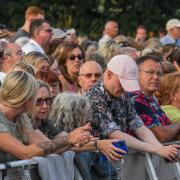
(111, 29)
(89, 73)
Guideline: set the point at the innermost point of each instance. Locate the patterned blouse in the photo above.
(107, 113)
(148, 108)
(48, 129)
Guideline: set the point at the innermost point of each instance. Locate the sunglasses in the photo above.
(89, 75)
(55, 84)
(47, 30)
(41, 101)
(79, 56)
(20, 53)
(1, 54)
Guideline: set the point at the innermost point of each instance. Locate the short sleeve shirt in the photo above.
(107, 113)
(149, 109)
(7, 126)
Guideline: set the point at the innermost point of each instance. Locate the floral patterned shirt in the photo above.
(149, 109)
(48, 129)
(107, 113)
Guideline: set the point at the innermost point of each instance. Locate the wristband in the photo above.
(96, 145)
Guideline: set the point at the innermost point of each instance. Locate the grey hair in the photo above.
(68, 111)
(127, 51)
(109, 49)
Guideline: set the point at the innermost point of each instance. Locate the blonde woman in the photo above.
(17, 138)
(38, 60)
(23, 66)
(109, 49)
(169, 95)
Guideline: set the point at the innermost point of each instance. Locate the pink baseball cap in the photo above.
(126, 69)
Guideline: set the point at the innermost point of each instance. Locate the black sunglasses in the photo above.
(41, 101)
(79, 56)
(48, 30)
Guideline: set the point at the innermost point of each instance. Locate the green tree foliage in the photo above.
(89, 17)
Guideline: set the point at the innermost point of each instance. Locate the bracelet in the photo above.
(96, 145)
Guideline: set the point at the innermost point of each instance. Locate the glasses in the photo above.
(54, 85)
(20, 53)
(89, 75)
(1, 54)
(41, 101)
(47, 30)
(79, 56)
(152, 73)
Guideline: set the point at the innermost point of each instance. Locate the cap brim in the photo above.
(129, 84)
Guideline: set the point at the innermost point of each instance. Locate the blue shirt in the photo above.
(168, 39)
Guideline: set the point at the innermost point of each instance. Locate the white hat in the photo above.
(172, 23)
(58, 34)
(126, 69)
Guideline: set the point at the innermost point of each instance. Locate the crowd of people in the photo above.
(60, 93)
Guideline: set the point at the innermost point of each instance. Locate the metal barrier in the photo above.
(135, 166)
(19, 170)
(145, 166)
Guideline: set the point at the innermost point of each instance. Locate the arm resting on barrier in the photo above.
(147, 135)
(169, 152)
(11, 145)
(167, 133)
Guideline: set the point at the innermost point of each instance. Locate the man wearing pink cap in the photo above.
(112, 114)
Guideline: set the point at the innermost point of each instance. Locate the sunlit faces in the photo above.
(112, 29)
(54, 67)
(89, 74)
(74, 62)
(42, 65)
(45, 33)
(43, 102)
(175, 32)
(141, 34)
(54, 88)
(16, 53)
(150, 73)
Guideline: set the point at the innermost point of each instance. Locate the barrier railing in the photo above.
(144, 166)
(19, 170)
(135, 166)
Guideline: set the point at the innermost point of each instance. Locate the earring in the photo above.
(175, 99)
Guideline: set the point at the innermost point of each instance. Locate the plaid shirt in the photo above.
(108, 113)
(148, 108)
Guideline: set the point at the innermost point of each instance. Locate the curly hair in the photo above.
(170, 83)
(68, 111)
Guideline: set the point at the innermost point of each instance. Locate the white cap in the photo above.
(58, 33)
(126, 69)
(172, 23)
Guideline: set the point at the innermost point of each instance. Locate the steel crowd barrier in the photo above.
(19, 170)
(145, 166)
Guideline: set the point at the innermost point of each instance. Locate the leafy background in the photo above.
(89, 17)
